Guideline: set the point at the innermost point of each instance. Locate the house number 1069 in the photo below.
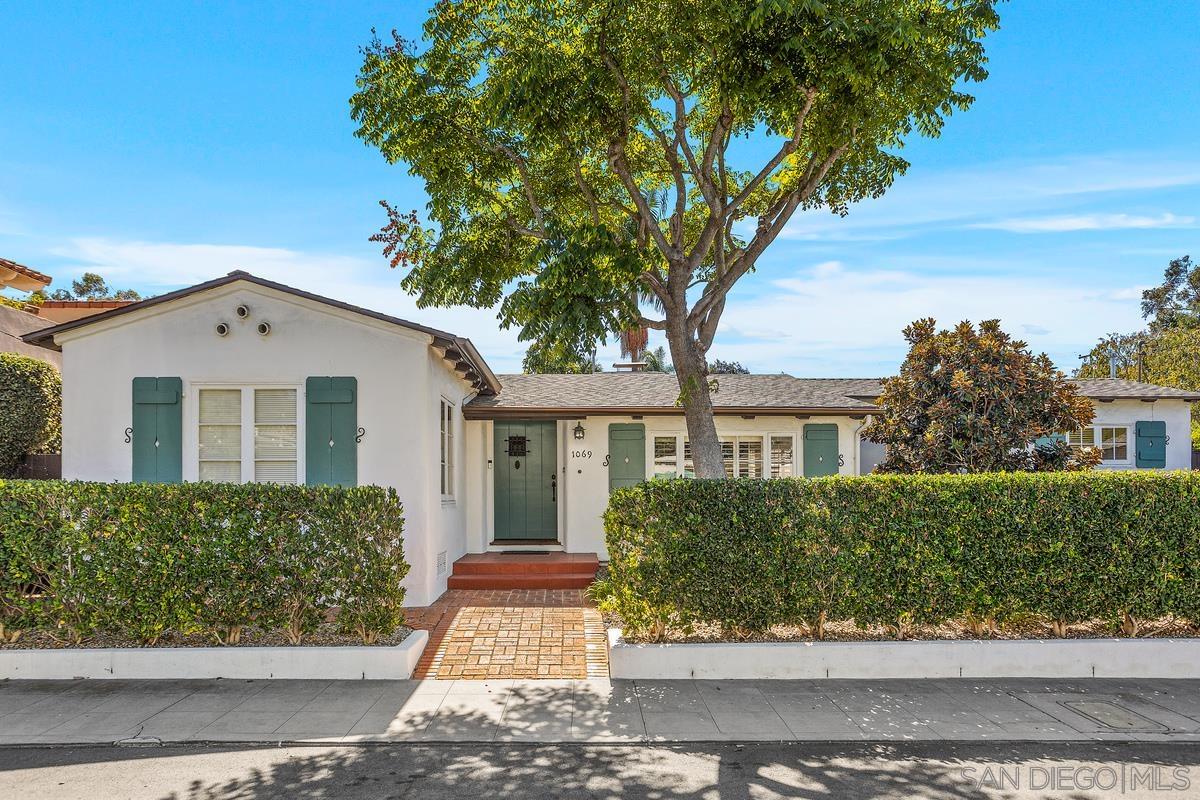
(581, 454)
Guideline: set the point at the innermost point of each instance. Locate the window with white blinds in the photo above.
(248, 434)
(221, 435)
(274, 435)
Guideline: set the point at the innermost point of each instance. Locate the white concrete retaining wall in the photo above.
(340, 663)
(1017, 658)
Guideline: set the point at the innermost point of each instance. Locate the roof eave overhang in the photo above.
(1147, 398)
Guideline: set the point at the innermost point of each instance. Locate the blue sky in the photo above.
(165, 144)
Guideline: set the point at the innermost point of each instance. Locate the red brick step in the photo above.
(524, 571)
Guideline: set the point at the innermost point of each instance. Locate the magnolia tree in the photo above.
(545, 132)
(970, 400)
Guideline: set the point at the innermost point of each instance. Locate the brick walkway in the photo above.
(511, 633)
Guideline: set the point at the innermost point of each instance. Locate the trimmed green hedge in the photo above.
(141, 559)
(31, 399)
(904, 550)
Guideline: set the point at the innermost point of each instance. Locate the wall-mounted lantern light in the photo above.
(579, 430)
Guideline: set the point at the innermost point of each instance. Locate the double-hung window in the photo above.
(1111, 440)
(248, 434)
(446, 435)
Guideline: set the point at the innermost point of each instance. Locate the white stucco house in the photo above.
(244, 379)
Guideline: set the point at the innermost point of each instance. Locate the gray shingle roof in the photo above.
(656, 392)
(1118, 389)
(620, 392)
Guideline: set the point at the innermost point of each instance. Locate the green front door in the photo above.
(626, 455)
(525, 466)
(820, 450)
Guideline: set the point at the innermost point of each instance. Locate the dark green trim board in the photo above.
(1047, 441)
(525, 474)
(330, 428)
(626, 454)
(1151, 444)
(820, 450)
(157, 437)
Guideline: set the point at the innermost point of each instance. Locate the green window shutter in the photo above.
(157, 430)
(1047, 441)
(626, 455)
(820, 450)
(330, 427)
(1151, 444)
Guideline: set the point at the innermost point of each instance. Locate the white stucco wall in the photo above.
(583, 478)
(400, 382)
(1177, 415)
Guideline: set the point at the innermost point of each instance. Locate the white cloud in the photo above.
(156, 267)
(1085, 222)
(848, 322)
(1007, 189)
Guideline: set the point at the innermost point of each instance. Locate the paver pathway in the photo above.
(511, 633)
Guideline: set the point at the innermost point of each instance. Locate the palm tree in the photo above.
(657, 360)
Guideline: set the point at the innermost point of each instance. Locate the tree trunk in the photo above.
(691, 369)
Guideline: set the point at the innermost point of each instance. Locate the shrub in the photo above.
(141, 560)
(903, 550)
(31, 396)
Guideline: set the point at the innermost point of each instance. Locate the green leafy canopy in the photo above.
(542, 130)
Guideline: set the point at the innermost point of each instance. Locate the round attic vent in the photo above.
(222, 329)
(264, 328)
(242, 311)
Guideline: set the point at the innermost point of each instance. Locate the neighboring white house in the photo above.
(244, 379)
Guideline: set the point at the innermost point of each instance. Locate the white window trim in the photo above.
(795, 452)
(192, 429)
(1130, 442)
(446, 442)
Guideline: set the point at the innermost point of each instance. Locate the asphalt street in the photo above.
(695, 771)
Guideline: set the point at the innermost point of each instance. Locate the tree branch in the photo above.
(786, 150)
(769, 226)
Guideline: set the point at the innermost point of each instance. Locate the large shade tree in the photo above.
(544, 131)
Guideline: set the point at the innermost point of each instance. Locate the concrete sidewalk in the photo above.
(77, 712)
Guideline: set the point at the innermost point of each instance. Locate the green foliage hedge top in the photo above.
(140, 559)
(30, 409)
(901, 550)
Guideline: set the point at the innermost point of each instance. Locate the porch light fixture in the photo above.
(579, 430)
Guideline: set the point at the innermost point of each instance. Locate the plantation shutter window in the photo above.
(275, 436)
(782, 458)
(666, 456)
(728, 456)
(221, 435)
(742, 456)
(749, 458)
